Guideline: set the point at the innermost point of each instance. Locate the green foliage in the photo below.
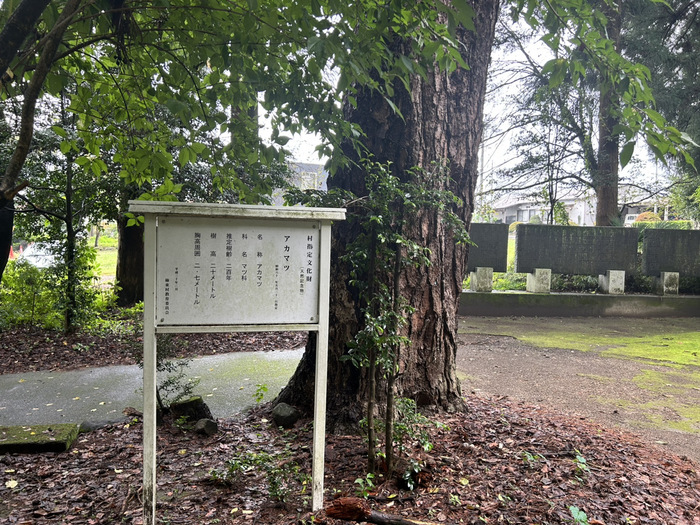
(166, 59)
(173, 382)
(411, 426)
(376, 259)
(574, 283)
(37, 297)
(410, 474)
(509, 281)
(531, 460)
(578, 52)
(581, 467)
(281, 473)
(561, 216)
(260, 391)
(364, 485)
(28, 298)
(578, 516)
(662, 225)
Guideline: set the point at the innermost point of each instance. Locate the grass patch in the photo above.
(107, 262)
(675, 341)
(670, 383)
(667, 415)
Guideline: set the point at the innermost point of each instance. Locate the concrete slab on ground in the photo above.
(227, 384)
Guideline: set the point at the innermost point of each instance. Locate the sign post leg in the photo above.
(321, 379)
(149, 376)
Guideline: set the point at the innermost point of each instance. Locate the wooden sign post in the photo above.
(234, 268)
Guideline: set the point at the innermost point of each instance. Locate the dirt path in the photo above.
(610, 391)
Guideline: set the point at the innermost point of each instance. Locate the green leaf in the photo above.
(626, 153)
(65, 146)
(58, 130)
(176, 107)
(184, 156)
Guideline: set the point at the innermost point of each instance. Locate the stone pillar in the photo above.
(667, 284)
(481, 280)
(613, 282)
(540, 281)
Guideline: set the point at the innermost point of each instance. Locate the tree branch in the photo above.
(16, 29)
(32, 94)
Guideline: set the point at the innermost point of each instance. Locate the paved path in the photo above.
(227, 384)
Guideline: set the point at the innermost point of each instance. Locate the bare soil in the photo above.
(584, 385)
(500, 460)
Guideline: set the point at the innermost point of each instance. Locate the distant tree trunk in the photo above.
(606, 176)
(443, 123)
(130, 254)
(7, 216)
(70, 255)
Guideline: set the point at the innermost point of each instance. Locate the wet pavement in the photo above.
(228, 384)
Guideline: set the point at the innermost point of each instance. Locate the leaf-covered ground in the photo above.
(498, 461)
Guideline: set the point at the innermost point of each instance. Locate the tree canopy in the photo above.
(584, 101)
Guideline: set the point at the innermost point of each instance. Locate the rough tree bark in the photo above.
(442, 123)
(606, 176)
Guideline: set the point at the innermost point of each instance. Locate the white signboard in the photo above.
(226, 271)
(218, 267)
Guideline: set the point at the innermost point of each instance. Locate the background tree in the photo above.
(575, 88)
(59, 205)
(128, 58)
(665, 37)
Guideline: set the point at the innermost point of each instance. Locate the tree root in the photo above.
(357, 509)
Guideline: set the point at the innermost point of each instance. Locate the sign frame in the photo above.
(152, 212)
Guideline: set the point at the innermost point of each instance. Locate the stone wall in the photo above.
(491, 250)
(575, 250)
(671, 251)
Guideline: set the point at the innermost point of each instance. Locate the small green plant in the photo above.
(280, 472)
(260, 391)
(579, 517)
(410, 475)
(509, 281)
(581, 465)
(455, 501)
(364, 485)
(183, 423)
(531, 459)
(411, 425)
(173, 382)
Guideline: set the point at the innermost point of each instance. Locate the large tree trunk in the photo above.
(442, 123)
(606, 176)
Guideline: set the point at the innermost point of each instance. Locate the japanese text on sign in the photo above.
(247, 271)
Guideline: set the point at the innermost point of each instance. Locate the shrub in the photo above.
(509, 281)
(648, 216)
(29, 297)
(574, 283)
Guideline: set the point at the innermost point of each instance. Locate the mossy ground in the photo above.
(668, 351)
